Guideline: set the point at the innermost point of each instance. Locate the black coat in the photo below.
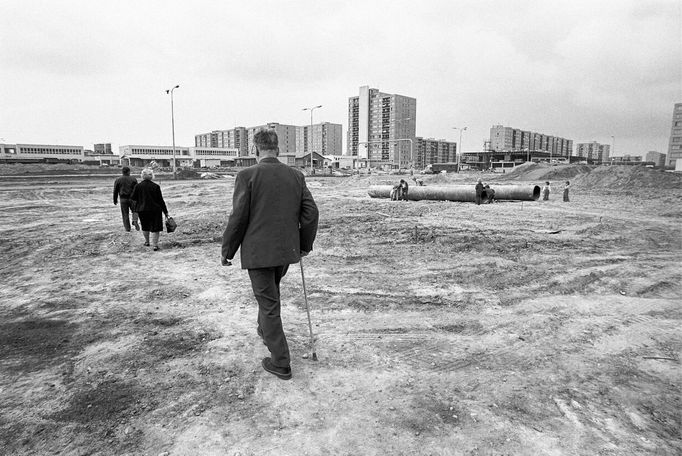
(273, 218)
(147, 197)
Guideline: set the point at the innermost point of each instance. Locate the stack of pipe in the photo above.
(465, 193)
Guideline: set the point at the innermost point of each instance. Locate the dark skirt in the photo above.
(151, 221)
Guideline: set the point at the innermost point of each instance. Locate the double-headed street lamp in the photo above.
(311, 109)
(459, 144)
(173, 126)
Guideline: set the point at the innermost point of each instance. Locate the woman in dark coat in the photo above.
(150, 205)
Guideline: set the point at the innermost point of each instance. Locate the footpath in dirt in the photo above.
(442, 328)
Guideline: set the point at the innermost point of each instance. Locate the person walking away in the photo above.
(567, 186)
(274, 223)
(150, 205)
(479, 191)
(123, 188)
(546, 191)
(490, 194)
(403, 190)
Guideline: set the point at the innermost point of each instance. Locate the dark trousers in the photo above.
(125, 209)
(265, 284)
(566, 195)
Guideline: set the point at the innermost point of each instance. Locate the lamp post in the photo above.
(311, 109)
(459, 145)
(173, 127)
(613, 147)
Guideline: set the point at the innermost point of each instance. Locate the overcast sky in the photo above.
(84, 72)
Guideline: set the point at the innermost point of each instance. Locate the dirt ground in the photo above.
(442, 328)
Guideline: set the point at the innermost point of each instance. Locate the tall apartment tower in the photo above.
(429, 151)
(382, 127)
(675, 143)
(326, 139)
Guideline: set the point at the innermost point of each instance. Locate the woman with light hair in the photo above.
(150, 205)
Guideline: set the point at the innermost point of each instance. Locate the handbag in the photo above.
(170, 224)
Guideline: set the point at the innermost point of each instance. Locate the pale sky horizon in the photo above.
(78, 72)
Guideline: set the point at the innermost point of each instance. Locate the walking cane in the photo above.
(307, 309)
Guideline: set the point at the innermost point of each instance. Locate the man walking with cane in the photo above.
(274, 221)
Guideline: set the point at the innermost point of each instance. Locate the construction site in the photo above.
(441, 327)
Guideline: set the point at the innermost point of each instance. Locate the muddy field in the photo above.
(442, 328)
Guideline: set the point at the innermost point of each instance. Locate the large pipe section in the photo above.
(464, 193)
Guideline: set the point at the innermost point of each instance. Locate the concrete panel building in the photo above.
(286, 135)
(381, 128)
(675, 143)
(235, 138)
(508, 139)
(429, 151)
(657, 158)
(40, 153)
(326, 139)
(140, 156)
(593, 152)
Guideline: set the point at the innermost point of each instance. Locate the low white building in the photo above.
(40, 153)
(140, 156)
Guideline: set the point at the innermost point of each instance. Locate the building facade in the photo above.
(508, 139)
(675, 143)
(382, 128)
(593, 152)
(141, 156)
(235, 138)
(326, 139)
(286, 136)
(429, 151)
(657, 158)
(40, 153)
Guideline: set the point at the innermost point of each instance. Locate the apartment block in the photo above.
(326, 139)
(593, 152)
(429, 151)
(657, 158)
(675, 143)
(286, 136)
(508, 139)
(103, 149)
(381, 127)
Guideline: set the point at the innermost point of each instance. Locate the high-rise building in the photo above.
(382, 127)
(656, 157)
(235, 138)
(675, 143)
(593, 152)
(508, 139)
(326, 139)
(286, 136)
(429, 151)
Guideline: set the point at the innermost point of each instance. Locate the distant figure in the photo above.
(123, 188)
(567, 186)
(394, 192)
(150, 205)
(402, 190)
(546, 191)
(479, 191)
(490, 194)
(418, 182)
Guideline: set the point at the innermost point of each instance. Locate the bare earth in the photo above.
(442, 328)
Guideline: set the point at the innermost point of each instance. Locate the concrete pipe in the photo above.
(464, 193)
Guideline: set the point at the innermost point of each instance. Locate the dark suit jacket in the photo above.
(273, 216)
(148, 198)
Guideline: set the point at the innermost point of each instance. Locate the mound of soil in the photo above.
(594, 176)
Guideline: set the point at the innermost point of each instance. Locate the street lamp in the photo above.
(459, 145)
(173, 126)
(613, 147)
(311, 109)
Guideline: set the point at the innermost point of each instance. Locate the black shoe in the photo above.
(282, 372)
(156, 248)
(260, 334)
(146, 244)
